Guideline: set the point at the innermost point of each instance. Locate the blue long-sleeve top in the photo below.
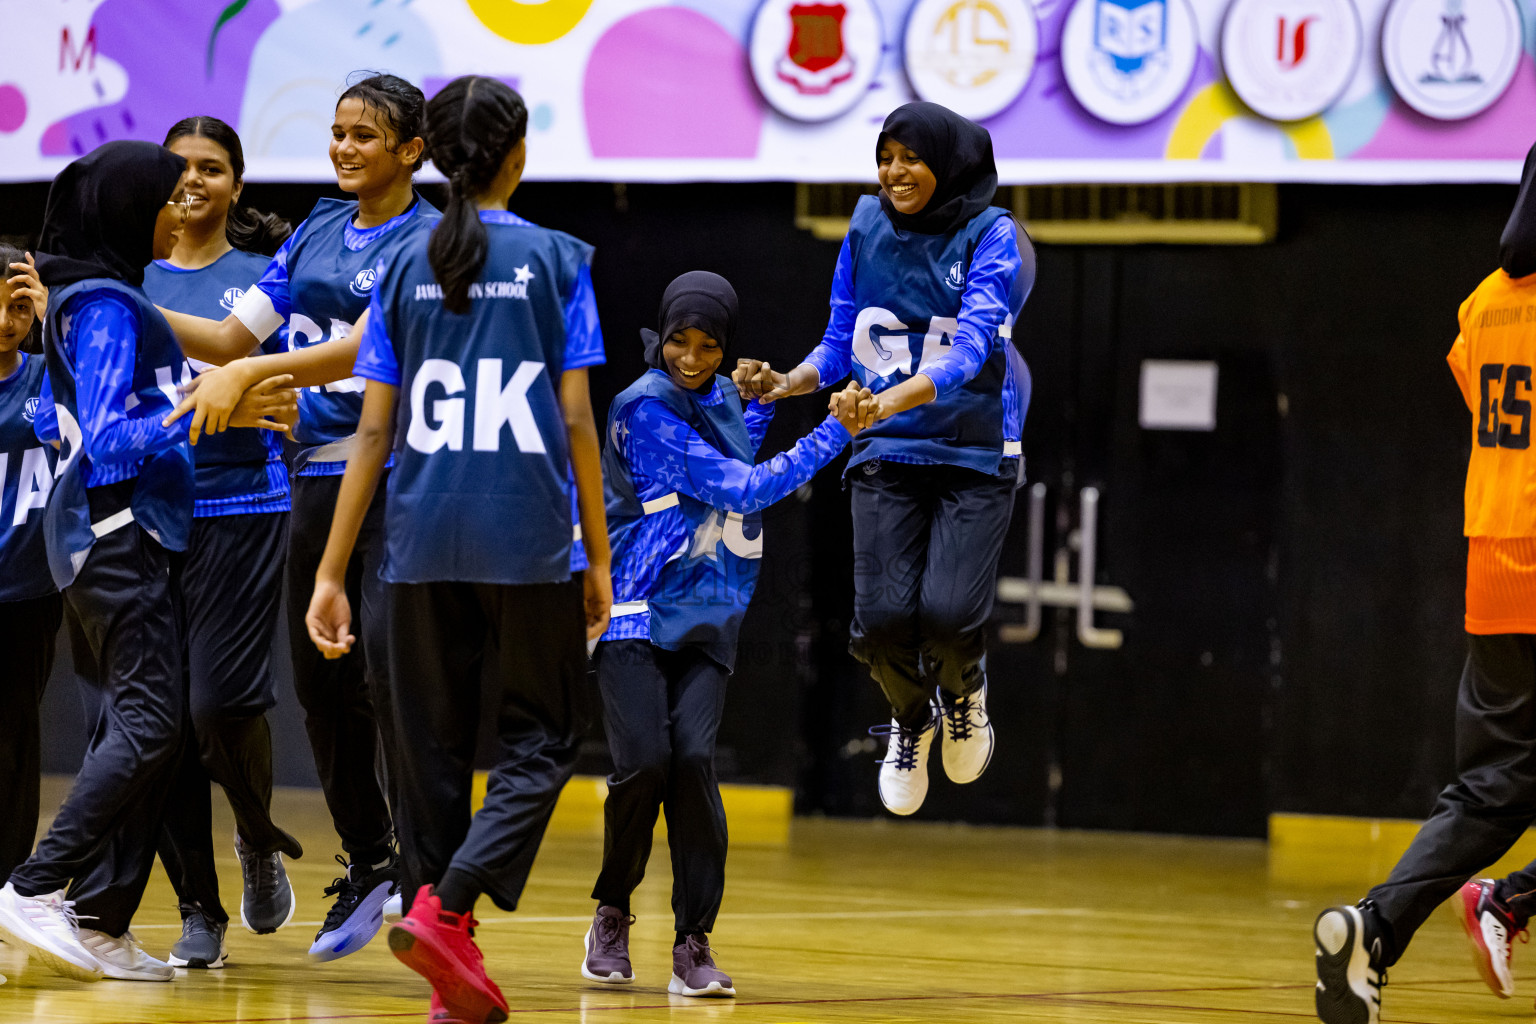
(101, 332)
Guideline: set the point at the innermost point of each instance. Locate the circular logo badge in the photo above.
(1290, 59)
(1451, 59)
(362, 284)
(231, 297)
(1127, 61)
(973, 56)
(814, 61)
(29, 409)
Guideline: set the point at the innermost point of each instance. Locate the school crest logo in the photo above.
(1129, 61)
(814, 61)
(956, 276)
(973, 56)
(29, 409)
(231, 296)
(363, 283)
(1451, 59)
(1289, 60)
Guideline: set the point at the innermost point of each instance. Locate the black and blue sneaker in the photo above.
(358, 913)
(1350, 971)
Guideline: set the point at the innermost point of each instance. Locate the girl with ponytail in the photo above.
(319, 285)
(233, 572)
(487, 329)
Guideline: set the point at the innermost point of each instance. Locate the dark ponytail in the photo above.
(473, 123)
(247, 230)
(399, 103)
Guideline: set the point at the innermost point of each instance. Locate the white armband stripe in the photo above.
(256, 312)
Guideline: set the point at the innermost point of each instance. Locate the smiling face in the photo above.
(169, 224)
(905, 178)
(367, 158)
(692, 357)
(16, 316)
(209, 181)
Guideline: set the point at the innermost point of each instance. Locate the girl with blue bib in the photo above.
(475, 348)
(928, 287)
(684, 504)
(120, 506)
(319, 286)
(30, 606)
(232, 576)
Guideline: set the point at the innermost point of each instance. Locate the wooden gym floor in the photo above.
(847, 921)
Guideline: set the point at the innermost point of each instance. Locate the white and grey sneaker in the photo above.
(1349, 972)
(123, 958)
(967, 741)
(904, 770)
(201, 945)
(45, 928)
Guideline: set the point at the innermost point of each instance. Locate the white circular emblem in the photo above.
(814, 61)
(29, 408)
(956, 278)
(1290, 59)
(973, 56)
(1128, 61)
(1450, 59)
(231, 297)
(363, 282)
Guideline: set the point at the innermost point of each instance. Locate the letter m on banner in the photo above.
(87, 52)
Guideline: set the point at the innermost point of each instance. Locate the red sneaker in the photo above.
(439, 1014)
(438, 946)
(1491, 929)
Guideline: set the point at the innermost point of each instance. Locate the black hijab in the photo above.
(100, 218)
(1517, 246)
(957, 151)
(695, 299)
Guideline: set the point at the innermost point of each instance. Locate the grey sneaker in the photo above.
(607, 959)
(267, 903)
(202, 940)
(1350, 974)
(694, 972)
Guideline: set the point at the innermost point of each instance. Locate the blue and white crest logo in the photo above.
(29, 410)
(1128, 61)
(956, 276)
(362, 284)
(231, 296)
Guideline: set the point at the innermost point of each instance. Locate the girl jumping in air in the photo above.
(319, 286)
(683, 501)
(474, 347)
(928, 287)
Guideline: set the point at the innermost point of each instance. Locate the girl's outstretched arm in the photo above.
(330, 616)
(586, 462)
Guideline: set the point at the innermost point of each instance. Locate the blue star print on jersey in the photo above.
(238, 471)
(113, 367)
(319, 284)
(470, 499)
(683, 502)
(942, 305)
(26, 476)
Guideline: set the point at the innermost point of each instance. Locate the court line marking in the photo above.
(1083, 997)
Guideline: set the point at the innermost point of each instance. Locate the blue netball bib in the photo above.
(26, 473)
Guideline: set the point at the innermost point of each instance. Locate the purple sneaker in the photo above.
(694, 972)
(607, 959)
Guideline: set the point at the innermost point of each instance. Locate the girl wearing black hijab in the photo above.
(929, 284)
(683, 499)
(121, 505)
(1492, 803)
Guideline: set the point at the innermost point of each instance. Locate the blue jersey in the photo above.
(942, 305)
(26, 475)
(319, 283)
(683, 503)
(480, 491)
(113, 365)
(239, 471)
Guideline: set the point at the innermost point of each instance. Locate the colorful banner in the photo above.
(744, 90)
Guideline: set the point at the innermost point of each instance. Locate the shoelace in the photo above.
(51, 906)
(348, 895)
(608, 931)
(957, 717)
(699, 952)
(905, 743)
(261, 869)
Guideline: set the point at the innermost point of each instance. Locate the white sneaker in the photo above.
(44, 927)
(967, 744)
(904, 771)
(394, 907)
(123, 958)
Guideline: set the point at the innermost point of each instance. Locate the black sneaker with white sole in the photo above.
(267, 902)
(1350, 974)
(201, 945)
